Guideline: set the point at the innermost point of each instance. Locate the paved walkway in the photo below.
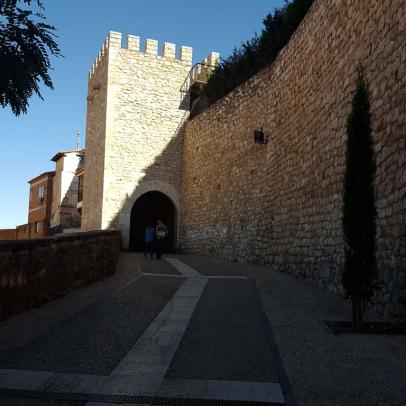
(174, 329)
(195, 331)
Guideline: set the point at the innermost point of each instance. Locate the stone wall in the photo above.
(281, 203)
(37, 271)
(95, 142)
(143, 135)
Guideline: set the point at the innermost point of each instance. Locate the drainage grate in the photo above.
(134, 399)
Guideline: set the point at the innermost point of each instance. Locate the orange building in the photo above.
(8, 234)
(39, 211)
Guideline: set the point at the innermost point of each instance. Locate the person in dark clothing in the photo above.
(161, 232)
(149, 240)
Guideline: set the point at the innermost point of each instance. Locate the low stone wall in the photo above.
(33, 272)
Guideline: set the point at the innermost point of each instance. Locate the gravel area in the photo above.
(19, 331)
(225, 339)
(97, 338)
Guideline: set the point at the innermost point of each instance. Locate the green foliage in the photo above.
(260, 51)
(24, 61)
(359, 211)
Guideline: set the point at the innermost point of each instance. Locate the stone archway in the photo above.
(148, 209)
(143, 188)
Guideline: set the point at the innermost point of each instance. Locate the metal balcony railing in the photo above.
(199, 73)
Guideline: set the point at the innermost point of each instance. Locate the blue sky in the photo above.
(29, 141)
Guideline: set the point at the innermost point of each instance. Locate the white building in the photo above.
(64, 212)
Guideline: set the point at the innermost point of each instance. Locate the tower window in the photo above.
(41, 193)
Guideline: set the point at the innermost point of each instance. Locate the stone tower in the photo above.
(134, 135)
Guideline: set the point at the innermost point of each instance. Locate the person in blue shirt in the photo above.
(149, 240)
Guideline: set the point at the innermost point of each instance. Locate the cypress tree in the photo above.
(359, 211)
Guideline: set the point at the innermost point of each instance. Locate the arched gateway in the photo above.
(148, 209)
(150, 201)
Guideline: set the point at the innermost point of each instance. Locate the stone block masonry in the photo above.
(33, 272)
(280, 203)
(134, 133)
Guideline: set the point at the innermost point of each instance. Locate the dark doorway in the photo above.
(149, 208)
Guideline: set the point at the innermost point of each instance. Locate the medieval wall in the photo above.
(144, 125)
(280, 204)
(95, 142)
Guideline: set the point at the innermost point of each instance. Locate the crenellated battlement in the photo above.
(151, 47)
(101, 57)
(201, 71)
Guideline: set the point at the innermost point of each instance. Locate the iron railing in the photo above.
(199, 73)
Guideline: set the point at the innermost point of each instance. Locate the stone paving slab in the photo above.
(48, 383)
(151, 355)
(183, 268)
(222, 390)
(156, 266)
(22, 379)
(38, 402)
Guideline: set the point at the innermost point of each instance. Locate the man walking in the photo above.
(161, 232)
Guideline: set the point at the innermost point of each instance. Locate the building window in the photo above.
(36, 227)
(41, 193)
